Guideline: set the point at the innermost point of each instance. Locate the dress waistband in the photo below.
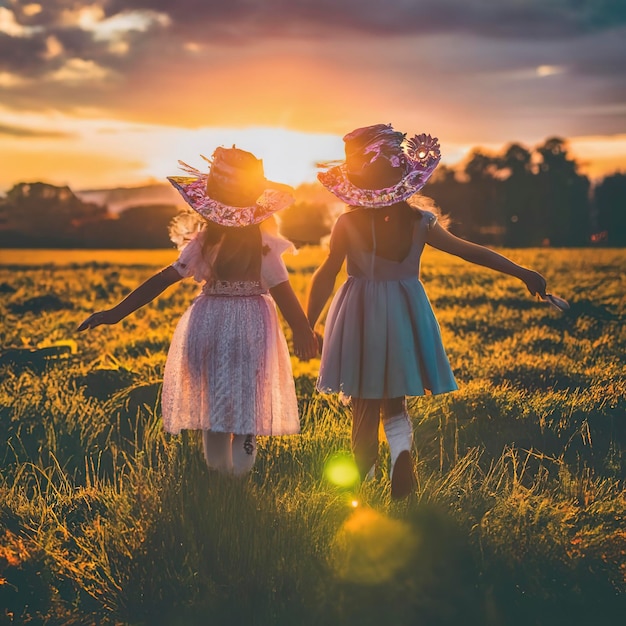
(233, 288)
(385, 279)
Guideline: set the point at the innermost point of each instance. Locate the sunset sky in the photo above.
(113, 92)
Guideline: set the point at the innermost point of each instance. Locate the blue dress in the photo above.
(382, 339)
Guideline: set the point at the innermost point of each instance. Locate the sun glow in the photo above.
(91, 150)
(549, 70)
(128, 154)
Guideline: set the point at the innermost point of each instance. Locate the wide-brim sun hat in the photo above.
(415, 159)
(234, 192)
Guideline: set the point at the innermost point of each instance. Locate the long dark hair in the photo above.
(239, 253)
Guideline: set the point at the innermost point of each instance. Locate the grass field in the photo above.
(519, 515)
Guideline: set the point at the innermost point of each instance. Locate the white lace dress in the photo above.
(228, 366)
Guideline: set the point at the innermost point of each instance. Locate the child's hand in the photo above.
(98, 318)
(535, 283)
(305, 344)
(320, 341)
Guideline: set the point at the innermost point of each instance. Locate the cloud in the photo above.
(507, 18)
(76, 71)
(111, 32)
(39, 40)
(12, 27)
(33, 133)
(320, 65)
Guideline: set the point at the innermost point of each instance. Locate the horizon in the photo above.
(603, 158)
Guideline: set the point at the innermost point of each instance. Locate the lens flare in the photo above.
(341, 470)
(371, 548)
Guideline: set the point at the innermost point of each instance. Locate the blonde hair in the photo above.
(421, 203)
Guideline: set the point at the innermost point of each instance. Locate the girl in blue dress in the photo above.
(382, 341)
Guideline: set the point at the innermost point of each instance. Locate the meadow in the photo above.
(519, 514)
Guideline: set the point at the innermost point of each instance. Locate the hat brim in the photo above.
(422, 157)
(337, 182)
(275, 197)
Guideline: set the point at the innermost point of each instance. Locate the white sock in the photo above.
(399, 433)
(244, 454)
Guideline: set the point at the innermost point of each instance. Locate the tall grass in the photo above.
(517, 517)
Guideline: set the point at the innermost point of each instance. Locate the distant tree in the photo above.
(450, 195)
(563, 196)
(148, 224)
(517, 160)
(443, 174)
(480, 166)
(517, 205)
(43, 214)
(481, 191)
(610, 198)
(305, 223)
(517, 198)
(144, 226)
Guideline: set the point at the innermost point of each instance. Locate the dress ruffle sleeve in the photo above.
(273, 269)
(190, 262)
(430, 219)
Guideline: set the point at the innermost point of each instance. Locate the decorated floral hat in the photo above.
(234, 192)
(415, 159)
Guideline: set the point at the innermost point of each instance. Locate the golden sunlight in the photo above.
(93, 151)
(600, 155)
(90, 150)
(549, 70)
(32, 9)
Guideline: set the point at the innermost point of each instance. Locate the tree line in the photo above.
(518, 197)
(524, 197)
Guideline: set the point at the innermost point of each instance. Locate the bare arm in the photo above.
(441, 239)
(304, 341)
(323, 280)
(142, 295)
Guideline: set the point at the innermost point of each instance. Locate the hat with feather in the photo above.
(234, 192)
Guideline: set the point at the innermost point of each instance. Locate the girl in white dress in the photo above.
(228, 371)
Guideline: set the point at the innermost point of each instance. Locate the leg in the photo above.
(244, 454)
(365, 421)
(218, 451)
(399, 432)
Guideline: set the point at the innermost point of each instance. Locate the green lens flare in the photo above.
(341, 470)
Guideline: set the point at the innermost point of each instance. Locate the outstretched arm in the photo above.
(441, 239)
(146, 292)
(304, 341)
